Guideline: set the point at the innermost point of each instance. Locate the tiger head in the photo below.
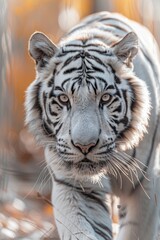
(86, 101)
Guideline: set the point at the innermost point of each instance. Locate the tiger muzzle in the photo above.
(85, 130)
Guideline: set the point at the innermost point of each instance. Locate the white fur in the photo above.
(79, 200)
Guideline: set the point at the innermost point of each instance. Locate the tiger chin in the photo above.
(90, 107)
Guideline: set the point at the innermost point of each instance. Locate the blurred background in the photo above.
(25, 208)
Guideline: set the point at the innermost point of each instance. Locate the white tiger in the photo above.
(94, 106)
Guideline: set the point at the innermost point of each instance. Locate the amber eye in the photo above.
(106, 98)
(63, 98)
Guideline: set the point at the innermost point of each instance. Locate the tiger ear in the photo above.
(126, 48)
(41, 48)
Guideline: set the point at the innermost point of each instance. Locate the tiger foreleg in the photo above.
(80, 215)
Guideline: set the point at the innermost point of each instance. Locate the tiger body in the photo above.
(94, 106)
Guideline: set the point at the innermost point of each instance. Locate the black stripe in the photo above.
(55, 124)
(73, 45)
(95, 199)
(93, 84)
(57, 130)
(70, 70)
(112, 69)
(110, 87)
(111, 101)
(65, 52)
(51, 112)
(36, 105)
(117, 79)
(102, 234)
(63, 182)
(51, 82)
(70, 59)
(73, 88)
(125, 121)
(99, 61)
(58, 88)
(85, 217)
(47, 129)
(69, 51)
(105, 228)
(64, 82)
(105, 53)
(95, 228)
(102, 80)
(44, 103)
(118, 109)
(124, 94)
(113, 128)
(97, 69)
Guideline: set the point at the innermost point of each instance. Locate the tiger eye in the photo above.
(106, 98)
(63, 98)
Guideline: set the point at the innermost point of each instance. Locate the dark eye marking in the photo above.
(110, 87)
(113, 100)
(58, 88)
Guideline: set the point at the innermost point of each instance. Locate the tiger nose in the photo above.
(85, 148)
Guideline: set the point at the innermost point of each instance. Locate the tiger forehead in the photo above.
(84, 44)
(85, 84)
(83, 64)
(79, 64)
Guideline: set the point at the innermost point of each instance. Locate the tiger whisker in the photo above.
(136, 175)
(130, 171)
(38, 179)
(121, 168)
(123, 154)
(120, 177)
(112, 170)
(44, 181)
(132, 162)
(132, 167)
(41, 176)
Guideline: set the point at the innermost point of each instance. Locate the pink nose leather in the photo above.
(85, 148)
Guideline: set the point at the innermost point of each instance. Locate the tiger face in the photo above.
(83, 105)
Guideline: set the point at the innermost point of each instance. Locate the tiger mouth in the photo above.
(86, 161)
(87, 167)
